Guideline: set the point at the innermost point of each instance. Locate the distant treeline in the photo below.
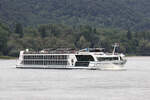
(83, 36)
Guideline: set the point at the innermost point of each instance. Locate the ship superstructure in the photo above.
(66, 58)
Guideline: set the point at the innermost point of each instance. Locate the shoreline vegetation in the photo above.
(74, 24)
(7, 57)
(12, 41)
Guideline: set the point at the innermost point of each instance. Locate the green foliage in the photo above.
(82, 43)
(98, 13)
(19, 29)
(42, 31)
(59, 35)
(129, 35)
(74, 24)
(4, 33)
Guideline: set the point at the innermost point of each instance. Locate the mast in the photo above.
(115, 46)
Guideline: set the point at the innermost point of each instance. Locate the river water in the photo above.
(50, 84)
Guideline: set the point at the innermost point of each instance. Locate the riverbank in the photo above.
(7, 57)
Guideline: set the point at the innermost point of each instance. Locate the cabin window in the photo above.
(45, 56)
(96, 50)
(41, 62)
(107, 58)
(84, 58)
(82, 63)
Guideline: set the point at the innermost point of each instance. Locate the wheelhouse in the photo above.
(107, 58)
(83, 60)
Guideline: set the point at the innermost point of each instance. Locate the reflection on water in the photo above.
(46, 84)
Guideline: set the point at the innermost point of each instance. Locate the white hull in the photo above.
(92, 66)
(77, 60)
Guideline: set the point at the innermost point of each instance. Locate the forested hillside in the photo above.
(38, 24)
(124, 14)
(57, 35)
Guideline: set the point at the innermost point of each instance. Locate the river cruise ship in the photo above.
(65, 58)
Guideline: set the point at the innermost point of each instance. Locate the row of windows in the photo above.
(45, 56)
(45, 59)
(84, 58)
(107, 58)
(45, 62)
(81, 63)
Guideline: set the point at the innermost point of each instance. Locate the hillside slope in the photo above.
(133, 14)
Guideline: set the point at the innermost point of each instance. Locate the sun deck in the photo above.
(53, 51)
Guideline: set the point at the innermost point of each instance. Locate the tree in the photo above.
(83, 43)
(129, 35)
(3, 41)
(19, 30)
(42, 30)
